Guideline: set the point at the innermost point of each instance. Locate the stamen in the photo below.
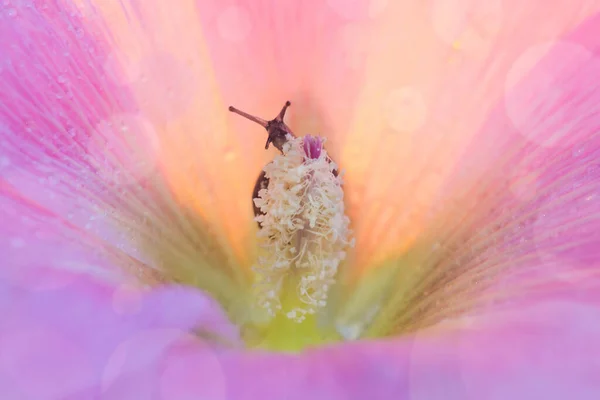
(313, 146)
(304, 230)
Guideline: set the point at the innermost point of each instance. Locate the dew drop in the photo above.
(577, 152)
(591, 170)
(11, 12)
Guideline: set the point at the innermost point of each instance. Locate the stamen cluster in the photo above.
(304, 229)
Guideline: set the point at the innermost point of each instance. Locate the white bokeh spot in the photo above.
(234, 24)
(127, 299)
(17, 242)
(354, 10)
(124, 149)
(467, 25)
(187, 368)
(405, 109)
(192, 371)
(43, 363)
(377, 7)
(139, 351)
(537, 100)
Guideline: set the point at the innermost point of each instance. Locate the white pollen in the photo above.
(304, 230)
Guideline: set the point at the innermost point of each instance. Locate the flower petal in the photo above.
(548, 350)
(266, 52)
(76, 339)
(516, 217)
(544, 351)
(234, 53)
(95, 149)
(434, 70)
(171, 78)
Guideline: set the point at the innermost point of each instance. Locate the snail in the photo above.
(278, 133)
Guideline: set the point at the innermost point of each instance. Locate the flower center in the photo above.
(303, 237)
(304, 230)
(299, 206)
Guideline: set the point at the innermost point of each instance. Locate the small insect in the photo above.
(277, 135)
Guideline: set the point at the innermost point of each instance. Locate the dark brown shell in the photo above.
(261, 183)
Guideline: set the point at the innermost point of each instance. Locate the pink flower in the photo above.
(436, 238)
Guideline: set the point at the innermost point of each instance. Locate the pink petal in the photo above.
(55, 343)
(532, 198)
(63, 333)
(516, 218)
(431, 81)
(71, 344)
(267, 52)
(77, 143)
(549, 351)
(70, 338)
(57, 102)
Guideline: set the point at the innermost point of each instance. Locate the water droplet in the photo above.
(11, 12)
(61, 79)
(591, 170)
(578, 151)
